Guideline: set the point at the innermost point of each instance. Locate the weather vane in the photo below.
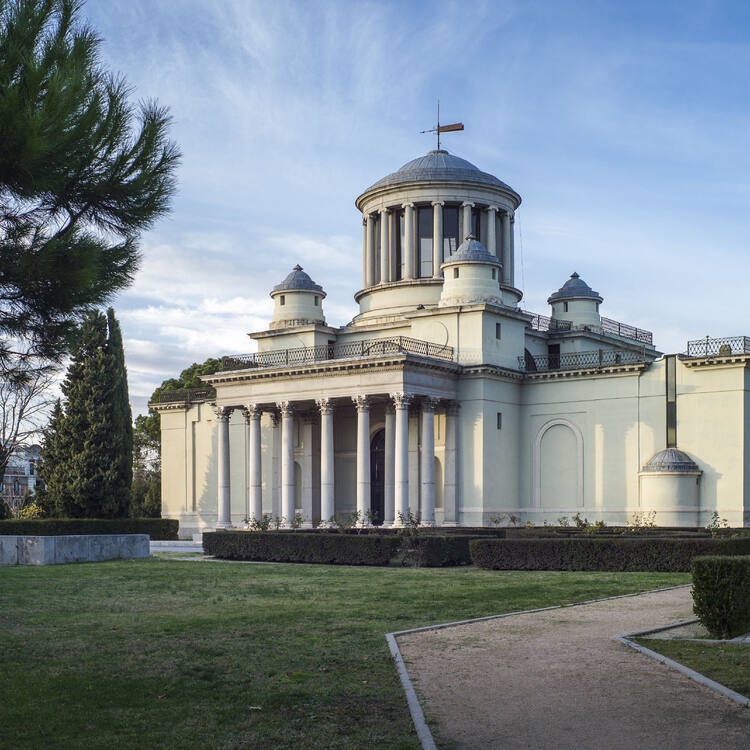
(443, 128)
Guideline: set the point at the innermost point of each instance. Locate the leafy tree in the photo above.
(87, 456)
(82, 174)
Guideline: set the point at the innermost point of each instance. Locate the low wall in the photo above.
(54, 550)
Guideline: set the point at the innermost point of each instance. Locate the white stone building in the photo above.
(444, 397)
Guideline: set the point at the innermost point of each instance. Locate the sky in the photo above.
(625, 127)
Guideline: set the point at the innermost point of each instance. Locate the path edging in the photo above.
(691, 673)
(417, 715)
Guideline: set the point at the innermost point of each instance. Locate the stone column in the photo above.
(393, 229)
(506, 248)
(370, 251)
(384, 275)
(327, 480)
(255, 479)
(307, 426)
(467, 206)
(491, 244)
(287, 462)
(224, 509)
(450, 509)
(407, 248)
(401, 456)
(364, 252)
(363, 456)
(437, 238)
(276, 465)
(389, 474)
(428, 461)
(512, 258)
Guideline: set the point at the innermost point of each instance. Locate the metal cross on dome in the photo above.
(443, 128)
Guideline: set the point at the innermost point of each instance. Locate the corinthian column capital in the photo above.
(222, 412)
(325, 405)
(401, 400)
(362, 403)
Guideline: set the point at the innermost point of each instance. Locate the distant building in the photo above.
(21, 474)
(444, 397)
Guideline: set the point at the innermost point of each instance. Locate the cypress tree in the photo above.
(89, 453)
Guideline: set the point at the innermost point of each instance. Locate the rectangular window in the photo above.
(671, 362)
(565, 306)
(476, 222)
(282, 300)
(376, 249)
(494, 274)
(553, 354)
(455, 273)
(497, 330)
(424, 241)
(450, 230)
(499, 420)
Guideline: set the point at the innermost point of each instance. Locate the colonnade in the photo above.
(396, 474)
(388, 219)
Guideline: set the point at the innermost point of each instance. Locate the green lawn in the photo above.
(729, 665)
(170, 654)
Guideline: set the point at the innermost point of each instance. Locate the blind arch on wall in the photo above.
(537, 459)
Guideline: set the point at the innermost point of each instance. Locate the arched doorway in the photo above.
(377, 477)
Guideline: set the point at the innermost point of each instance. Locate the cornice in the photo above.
(588, 372)
(731, 361)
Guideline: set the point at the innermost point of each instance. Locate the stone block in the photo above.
(133, 545)
(8, 550)
(103, 547)
(71, 548)
(36, 550)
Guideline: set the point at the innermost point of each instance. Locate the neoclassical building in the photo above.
(444, 397)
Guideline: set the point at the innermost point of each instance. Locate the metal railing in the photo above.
(185, 394)
(626, 331)
(577, 360)
(349, 350)
(544, 324)
(709, 347)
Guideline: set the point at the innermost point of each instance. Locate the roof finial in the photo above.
(438, 129)
(298, 267)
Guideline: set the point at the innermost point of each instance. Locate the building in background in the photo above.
(21, 475)
(445, 398)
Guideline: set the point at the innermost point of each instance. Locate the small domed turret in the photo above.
(472, 275)
(298, 301)
(577, 302)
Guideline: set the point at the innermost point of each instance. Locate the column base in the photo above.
(224, 525)
(449, 524)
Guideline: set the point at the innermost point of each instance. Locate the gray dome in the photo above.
(438, 165)
(671, 459)
(574, 287)
(297, 280)
(473, 251)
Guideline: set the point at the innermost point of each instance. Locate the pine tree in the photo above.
(88, 451)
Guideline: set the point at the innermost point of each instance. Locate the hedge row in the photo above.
(657, 555)
(721, 594)
(157, 528)
(423, 550)
(332, 549)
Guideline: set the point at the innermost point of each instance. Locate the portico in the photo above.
(391, 388)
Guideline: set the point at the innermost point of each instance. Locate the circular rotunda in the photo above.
(414, 221)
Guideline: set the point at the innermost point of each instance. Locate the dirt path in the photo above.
(558, 679)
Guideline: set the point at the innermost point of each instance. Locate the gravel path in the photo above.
(558, 679)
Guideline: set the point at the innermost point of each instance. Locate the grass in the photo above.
(169, 654)
(727, 664)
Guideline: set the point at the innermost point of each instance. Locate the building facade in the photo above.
(445, 399)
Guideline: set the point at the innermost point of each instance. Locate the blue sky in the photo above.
(624, 126)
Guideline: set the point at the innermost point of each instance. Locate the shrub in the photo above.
(721, 594)
(303, 547)
(593, 553)
(434, 551)
(156, 528)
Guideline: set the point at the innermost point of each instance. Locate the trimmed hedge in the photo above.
(656, 555)
(721, 594)
(331, 549)
(159, 529)
(433, 551)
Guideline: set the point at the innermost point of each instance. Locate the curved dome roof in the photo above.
(574, 287)
(473, 251)
(671, 459)
(297, 280)
(438, 165)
